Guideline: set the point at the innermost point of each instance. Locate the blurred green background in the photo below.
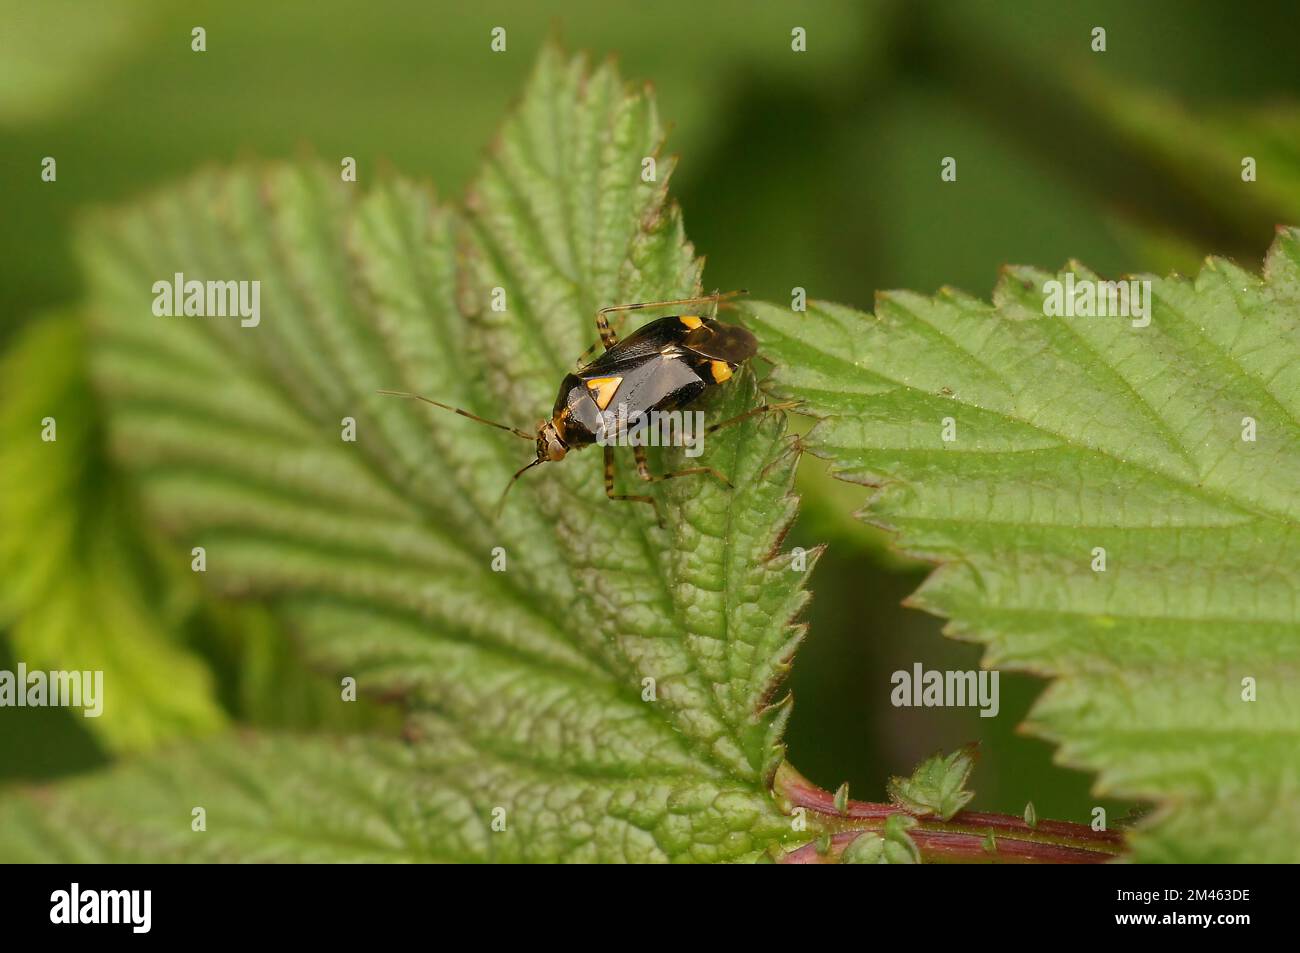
(816, 169)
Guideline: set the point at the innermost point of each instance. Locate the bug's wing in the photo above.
(722, 342)
(662, 383)
(641, 345)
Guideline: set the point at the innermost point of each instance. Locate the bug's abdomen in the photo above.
(666, 382)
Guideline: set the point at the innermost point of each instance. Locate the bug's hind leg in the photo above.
(629, 497)
(643, 468)
(609, 338)
(582, 358)
(613, 330)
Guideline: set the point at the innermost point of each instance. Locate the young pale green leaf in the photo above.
(868, 848)
(899, 846)
(1115, 506)
(607, 683)
(78, 589)
(842, 798)
(937, 786)
(894, 845)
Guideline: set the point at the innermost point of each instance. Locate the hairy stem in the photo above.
(960, 839)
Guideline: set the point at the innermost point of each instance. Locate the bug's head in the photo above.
(551, 448)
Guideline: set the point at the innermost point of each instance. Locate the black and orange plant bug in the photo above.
(662, 366)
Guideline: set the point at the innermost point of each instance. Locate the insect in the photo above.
(664, 365)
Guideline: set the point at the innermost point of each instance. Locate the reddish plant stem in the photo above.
(960, 839)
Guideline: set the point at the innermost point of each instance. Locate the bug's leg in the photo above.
(607, 335)
(761, 409)
(609, 338)
(643, 468)
(632, 498)
(721, 301)
(618, 323)
(582, 358)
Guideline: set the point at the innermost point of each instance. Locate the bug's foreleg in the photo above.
(643, 468)
(632, 498)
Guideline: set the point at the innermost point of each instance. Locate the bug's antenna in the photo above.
(518, 473)
(464, 413)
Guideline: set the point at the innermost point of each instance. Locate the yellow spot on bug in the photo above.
(602, 389)
(691, 321)
(721, 371)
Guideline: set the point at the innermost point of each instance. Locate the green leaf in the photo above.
(938, 786)
(78, 587)
(1081, 433)
(266, 799)
(612, 690)
(293, 798)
